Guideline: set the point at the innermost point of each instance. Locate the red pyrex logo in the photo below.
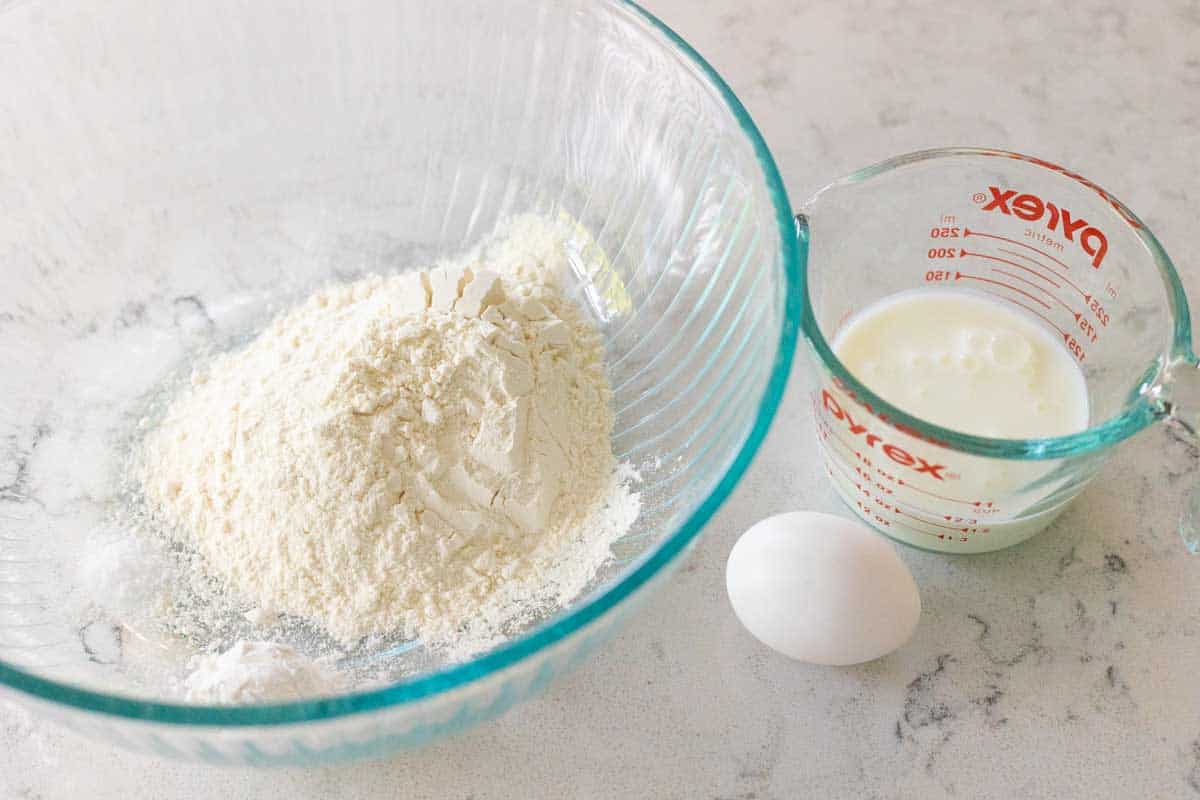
(1032, 208)
(896, 454)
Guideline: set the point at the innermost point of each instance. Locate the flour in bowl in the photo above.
(257, 672)
(426, 453)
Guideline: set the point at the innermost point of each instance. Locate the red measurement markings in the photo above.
(858, 481)
(874, 513)
(827, 434)
(1048, 267)
(942, 532)
(1092, 303)
(1073, 344)
(968, 232)
(1030, 310)
(861, 505)
(1084, 325)
(958, 276)
(925, 515)
(891, 509)
(863, 475)
(957, 523)
(975, 503)
(913, 510)
(1049, 293)
(900, 513)
(963, 253)
(911, 525)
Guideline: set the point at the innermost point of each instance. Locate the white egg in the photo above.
(822, 589)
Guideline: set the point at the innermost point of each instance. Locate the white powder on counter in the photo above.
(426, 453)
(256, 672)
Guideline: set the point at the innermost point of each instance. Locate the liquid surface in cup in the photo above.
(972, 364)
(966, 362)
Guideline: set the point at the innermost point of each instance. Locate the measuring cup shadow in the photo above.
(1094, 552)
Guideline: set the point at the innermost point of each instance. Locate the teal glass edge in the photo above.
(1139, 411)
(794, 255)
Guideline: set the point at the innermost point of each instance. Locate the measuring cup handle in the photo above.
(1177, 397)
(1189, 517)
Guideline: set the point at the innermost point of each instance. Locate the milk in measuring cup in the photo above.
(967, 362)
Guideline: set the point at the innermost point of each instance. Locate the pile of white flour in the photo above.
(256, 672)
(427, 453)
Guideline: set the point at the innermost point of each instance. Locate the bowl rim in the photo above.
(794, 254)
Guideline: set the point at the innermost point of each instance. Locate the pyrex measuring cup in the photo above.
(1028, 233)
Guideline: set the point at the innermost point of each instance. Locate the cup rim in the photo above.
(793, 253)
(1139, 411)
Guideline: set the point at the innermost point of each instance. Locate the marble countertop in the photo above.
(1066, 667)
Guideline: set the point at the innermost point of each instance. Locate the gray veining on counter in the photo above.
(1067, 667)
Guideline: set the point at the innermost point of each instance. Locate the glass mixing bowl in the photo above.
(173, 173)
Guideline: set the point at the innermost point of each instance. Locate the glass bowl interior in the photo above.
(178, 174)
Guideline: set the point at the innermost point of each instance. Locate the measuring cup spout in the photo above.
(1177, 396)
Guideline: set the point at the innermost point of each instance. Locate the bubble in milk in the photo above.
(1010, 351)
(974, 340)
(968, 363)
